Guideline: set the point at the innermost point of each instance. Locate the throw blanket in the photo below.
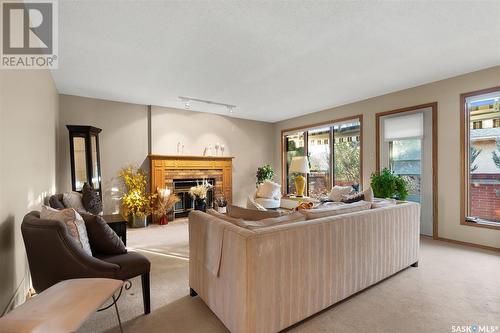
(213, 247)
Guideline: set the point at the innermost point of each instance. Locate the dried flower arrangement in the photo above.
(164, 204)
(199, 192)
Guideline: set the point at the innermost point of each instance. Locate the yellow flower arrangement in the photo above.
(135, 200)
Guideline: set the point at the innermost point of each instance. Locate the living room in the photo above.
(296, 115)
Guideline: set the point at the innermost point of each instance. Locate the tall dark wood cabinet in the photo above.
(84, 157)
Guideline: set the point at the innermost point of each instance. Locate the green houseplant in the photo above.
(264, 173)
(386, 184)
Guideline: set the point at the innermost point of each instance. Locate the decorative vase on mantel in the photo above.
(200, 204)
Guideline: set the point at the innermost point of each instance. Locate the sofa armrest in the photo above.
(53, 255)
(221, 293)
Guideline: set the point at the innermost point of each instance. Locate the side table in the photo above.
(118, 224)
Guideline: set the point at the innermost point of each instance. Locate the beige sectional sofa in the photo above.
(266, 279)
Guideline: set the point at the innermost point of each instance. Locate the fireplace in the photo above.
(186, 204)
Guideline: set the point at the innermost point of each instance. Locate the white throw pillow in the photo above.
(74, 222)
(368, 194)
(73, 200)
(270, 190)
(338, 191)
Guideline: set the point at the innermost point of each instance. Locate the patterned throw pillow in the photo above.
(350, 198)
(91, 200)
(74, 222)
(73, 200)
(338, 191)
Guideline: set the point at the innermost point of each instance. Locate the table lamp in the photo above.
(299, 165)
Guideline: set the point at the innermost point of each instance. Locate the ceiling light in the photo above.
(187, 103)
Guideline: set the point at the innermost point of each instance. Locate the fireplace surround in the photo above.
(165, 169)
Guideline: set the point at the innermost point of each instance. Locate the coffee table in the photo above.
(62, 308)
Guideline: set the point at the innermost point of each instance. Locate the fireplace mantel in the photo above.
(166, 168)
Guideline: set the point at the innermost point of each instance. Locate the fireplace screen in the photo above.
(186, 203)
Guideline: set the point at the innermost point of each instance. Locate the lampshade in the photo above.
(300, 164)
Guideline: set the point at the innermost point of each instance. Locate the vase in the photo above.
(200, 204)
(137, 221)
(164, 220)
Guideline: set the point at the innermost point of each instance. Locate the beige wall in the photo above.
(446, 93)
(28, 125)
(124, 140)
(250, 142)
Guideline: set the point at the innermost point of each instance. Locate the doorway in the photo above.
(407, 145)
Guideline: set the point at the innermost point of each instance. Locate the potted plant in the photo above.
(264, 173)
(221, 204)
(164, 204)
(135, 201)
(199, 193)
(386, 184)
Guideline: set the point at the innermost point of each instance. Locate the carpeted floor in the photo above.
(453, 285)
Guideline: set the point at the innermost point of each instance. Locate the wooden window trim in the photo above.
(434, 107)
(464, 148)
(304, 128)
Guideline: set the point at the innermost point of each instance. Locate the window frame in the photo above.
(305, 128)
(464, 149)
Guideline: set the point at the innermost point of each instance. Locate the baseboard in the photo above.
(479, 246)
(20, 294)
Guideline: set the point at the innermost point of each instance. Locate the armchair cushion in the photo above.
(131, 264)
(102, 239)
(74, 222)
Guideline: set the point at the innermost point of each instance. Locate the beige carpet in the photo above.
(454, 285)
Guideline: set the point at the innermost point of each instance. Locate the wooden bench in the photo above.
(62, 308)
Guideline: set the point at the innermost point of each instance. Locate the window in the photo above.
(334, 152)
(319, 181)
(294, 146)
(347, 154)
(481, 157)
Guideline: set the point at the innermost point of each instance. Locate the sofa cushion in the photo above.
(224, 217)
(73, 221)
(269, 189)
(91, 200)
(250, 214)
(285, 219)
(338, 191)
(131, 264)
(73, 200)
(102, 238)
(312, 214)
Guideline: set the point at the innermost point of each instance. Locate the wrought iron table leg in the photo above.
(118, 314)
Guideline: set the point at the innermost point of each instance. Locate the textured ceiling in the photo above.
(273, 60)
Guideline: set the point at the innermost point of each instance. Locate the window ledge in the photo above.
(479, 224)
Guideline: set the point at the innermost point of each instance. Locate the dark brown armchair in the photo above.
(53, 256)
